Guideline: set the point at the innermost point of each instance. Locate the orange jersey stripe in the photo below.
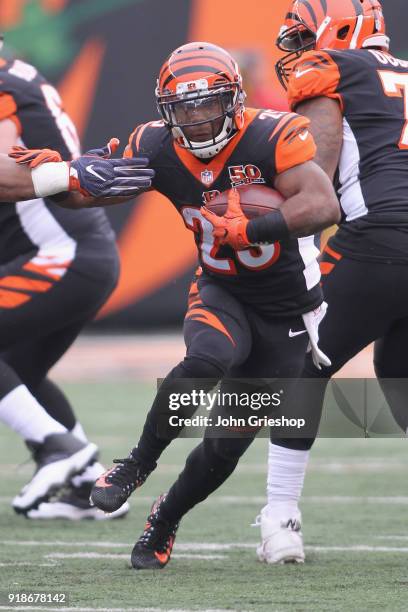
(295, 144)
(285, 119)
(8, 106)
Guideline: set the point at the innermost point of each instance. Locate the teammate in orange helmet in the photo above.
(339, 74)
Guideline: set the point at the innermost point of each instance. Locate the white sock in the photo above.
(286, 473)
(91, 474)
(79, 433)
(24, 415)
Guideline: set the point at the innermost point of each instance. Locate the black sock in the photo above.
(207, 467)
(53, 400)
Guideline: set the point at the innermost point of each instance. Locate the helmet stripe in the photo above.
(310, 8)
(190, 70)
(358, 7)
(200, 58)
(324, 6)
(214, 57)
(216, 67)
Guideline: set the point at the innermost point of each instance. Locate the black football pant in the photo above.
(40, 321)
(367, 302)
(227, 341)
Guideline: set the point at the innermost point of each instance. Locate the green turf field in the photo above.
(355, 528)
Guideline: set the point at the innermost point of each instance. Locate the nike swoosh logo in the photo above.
(292, 334)
(92, 171)
(304, 135)
(300, 73)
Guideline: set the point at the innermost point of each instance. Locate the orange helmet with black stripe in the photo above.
(329, 24)
(200, 97)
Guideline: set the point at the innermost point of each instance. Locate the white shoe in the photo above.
(282, 540)
(59, 458)
(74, 506)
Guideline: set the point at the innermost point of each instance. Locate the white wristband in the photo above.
(50, 178)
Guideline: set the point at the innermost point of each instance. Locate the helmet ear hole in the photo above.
(342, 33)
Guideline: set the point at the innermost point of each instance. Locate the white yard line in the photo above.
(92, 555)
(195, 547)
(65, 609)
(380, 465)
(260, 499)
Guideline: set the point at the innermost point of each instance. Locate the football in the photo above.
(256, 200)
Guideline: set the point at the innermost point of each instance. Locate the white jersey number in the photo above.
(257, 258)
(395, 85)
(63, 121)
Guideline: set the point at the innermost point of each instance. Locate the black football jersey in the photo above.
(281, 278)
(372, 183)
(41, 225)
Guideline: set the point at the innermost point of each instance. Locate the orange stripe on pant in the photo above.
(12, 299)
(204, 316)
(326, 267)
(27, 284)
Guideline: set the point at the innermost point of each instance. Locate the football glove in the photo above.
(93, 173)
(231, 228)
(312, 321)
(34, 157)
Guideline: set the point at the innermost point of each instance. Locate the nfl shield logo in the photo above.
(207, 177)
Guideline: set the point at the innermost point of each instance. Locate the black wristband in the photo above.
(268, 228)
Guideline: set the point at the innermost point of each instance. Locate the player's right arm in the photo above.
(313, 93)
(15, 181)
(95, 179)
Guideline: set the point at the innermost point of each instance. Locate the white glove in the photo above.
(312, 320)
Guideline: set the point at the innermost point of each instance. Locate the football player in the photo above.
(257, 281)
(56, 269)
(340, 74)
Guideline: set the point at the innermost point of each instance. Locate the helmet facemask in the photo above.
(295, 41)
(202, 118)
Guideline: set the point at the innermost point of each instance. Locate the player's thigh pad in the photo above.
(216, 328)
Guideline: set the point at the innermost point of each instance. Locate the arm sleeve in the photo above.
(317, 74)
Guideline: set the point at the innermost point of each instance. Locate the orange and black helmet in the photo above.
(193, 77)
(329, 24)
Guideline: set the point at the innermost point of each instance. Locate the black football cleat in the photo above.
(58, 458)
(113, 488)
(153, 548)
